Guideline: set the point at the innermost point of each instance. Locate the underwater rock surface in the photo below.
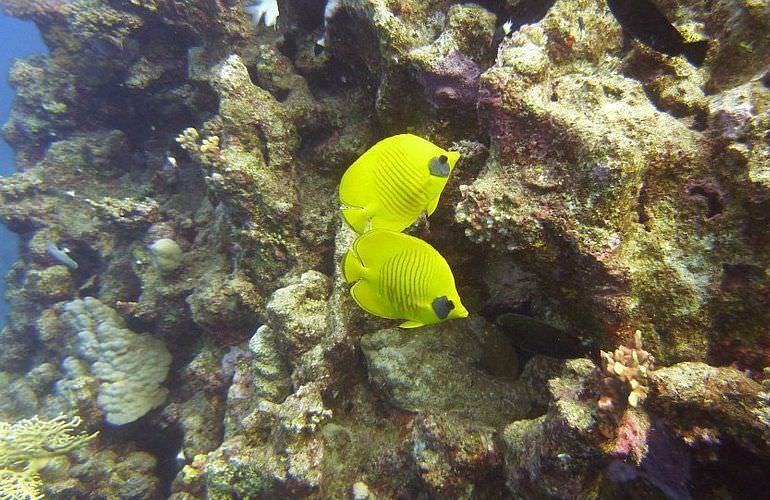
(186, 156)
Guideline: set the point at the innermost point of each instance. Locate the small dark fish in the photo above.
(538, 337)
(643, 21)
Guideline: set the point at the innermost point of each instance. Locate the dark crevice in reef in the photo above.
(313, 136)
(641, 209)
(165, 111)
(289, 47)
(307, 14)
(700, 121)
(147, 435)
(525, 11)
(89, 261)
(737, 277)
(766, 80)
(712, 197)
(279, 94)
(734, 471)
(346, 33)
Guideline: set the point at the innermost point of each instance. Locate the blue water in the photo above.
(17, 39)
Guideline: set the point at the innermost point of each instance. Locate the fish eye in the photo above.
(439, 166)
(442, 306)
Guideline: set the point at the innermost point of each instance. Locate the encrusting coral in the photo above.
(130, 367)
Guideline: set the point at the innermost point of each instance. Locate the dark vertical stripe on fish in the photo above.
(404, 280)
(385, 189)
(405, 170)
(400, 183)
(410, 272)
(418, 182)
(423, 280)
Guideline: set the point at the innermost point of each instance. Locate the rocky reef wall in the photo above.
(607, 225)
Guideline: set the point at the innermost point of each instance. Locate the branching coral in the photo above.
(629, 366)
(625, 381)
(27, 446)
(205, 151)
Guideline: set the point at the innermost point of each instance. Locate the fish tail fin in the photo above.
(352, 267)
(696, 52)
(357, 218)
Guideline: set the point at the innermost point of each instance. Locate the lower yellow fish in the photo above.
(398, 276)
(394, 182)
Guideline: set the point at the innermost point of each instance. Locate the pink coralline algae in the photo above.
(631, 438)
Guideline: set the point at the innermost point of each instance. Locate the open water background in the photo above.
(17, 39)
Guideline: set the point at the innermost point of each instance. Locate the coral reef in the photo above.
(555, 454)
(129, 367)
(166, 255)
(425, 373)
(28, 446)
(625, 382)
(186, 156)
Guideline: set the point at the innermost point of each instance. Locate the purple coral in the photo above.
(452, 83)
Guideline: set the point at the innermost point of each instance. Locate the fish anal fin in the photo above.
(411, 324)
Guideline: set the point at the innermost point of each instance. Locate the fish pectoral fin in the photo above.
(411, 324)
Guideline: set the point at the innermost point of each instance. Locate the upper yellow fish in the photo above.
(398, 276)
(393, 182)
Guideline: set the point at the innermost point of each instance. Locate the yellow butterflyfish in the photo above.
(394, 182)
(398, 276)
